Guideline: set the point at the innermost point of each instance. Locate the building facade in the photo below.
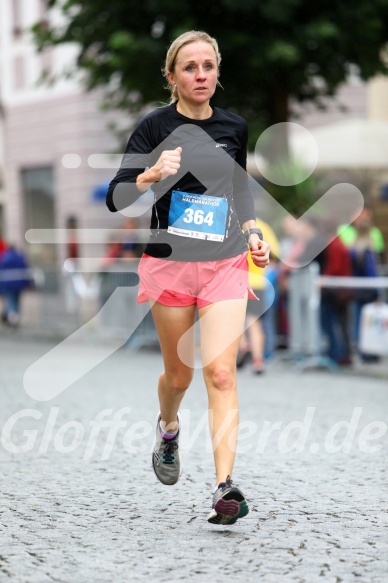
(47, 134)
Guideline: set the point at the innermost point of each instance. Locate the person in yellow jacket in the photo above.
(259, 340)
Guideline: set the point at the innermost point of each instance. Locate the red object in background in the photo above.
(72, 241)
(113, 252)
(3, 246)
(337, 259)
(72, 249)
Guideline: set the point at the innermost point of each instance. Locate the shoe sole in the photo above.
(229, 509)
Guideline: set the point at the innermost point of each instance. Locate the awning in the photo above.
(356, 143)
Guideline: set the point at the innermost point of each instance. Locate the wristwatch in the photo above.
(253, 231)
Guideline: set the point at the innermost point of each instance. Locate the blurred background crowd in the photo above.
(74, 79)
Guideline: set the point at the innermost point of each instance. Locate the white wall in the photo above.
(18, 57)
(44, 123)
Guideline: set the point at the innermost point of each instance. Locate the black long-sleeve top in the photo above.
(213, 163)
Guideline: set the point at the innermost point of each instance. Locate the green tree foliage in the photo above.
(272, 50)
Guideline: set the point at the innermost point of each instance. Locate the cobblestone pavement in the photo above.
(100, 515)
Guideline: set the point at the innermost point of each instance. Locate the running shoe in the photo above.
(229, 504)
(166, 458)
(257, 366)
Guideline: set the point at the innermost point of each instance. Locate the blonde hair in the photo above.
(172, 53)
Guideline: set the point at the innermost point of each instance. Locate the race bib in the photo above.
(198, 216)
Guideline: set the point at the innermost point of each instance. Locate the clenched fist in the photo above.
(259, 251)
(168, 164)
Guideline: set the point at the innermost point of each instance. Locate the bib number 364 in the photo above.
(198, 217)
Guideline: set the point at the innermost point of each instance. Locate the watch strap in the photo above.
(253, 231)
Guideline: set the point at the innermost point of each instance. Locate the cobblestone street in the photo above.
(80, 501)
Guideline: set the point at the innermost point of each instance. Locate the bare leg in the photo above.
(244, 350)
(257, 339)
(221, 328)
(244, 344)
(171, 324)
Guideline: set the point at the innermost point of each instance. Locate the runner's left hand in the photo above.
(259, 251)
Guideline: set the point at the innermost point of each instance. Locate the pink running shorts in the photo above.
(185, 283)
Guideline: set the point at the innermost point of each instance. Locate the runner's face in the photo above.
(195, 73)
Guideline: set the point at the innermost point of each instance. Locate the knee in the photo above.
(221, 378)
(179, 382)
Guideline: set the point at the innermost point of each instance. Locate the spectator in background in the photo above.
(259, 339)
(334, 260)
(72, 242)
(123, 247)
(364, 224)
(120, 249)
(113, 250)
(3, 246)
(364, 262)
(297, 235)
(70, 268)
(15, 277)
(130, 246)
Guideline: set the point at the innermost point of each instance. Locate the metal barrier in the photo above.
(65, 300)
(121, 315)
(352, 282)
(44, 307)
(304, 310)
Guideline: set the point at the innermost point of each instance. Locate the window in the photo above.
(43, 9)
(19, 71)
(17, 13)
(46, 61)
(39, 209)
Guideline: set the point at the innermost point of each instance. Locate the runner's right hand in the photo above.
(169, 162)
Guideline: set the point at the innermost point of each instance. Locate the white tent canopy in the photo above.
(356, 143)
(353, 144)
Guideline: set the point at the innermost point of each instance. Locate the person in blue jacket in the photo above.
(364, 261)
(14, 279)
